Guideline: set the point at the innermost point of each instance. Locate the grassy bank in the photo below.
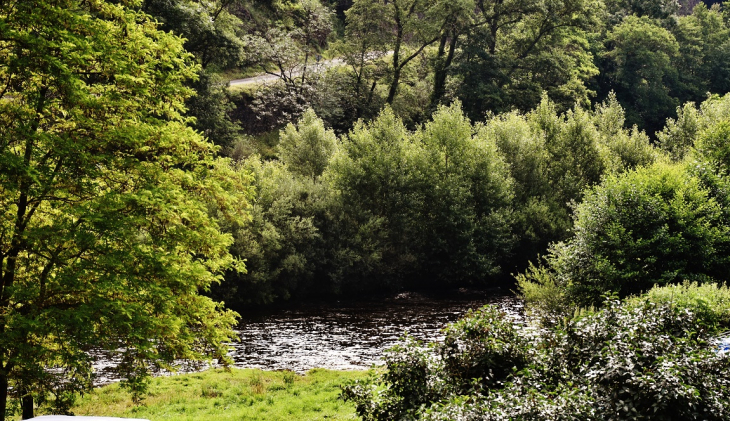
(235, 395)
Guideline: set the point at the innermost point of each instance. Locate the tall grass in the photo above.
(710, 301)
(235, 395)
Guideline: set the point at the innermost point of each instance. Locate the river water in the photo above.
(347, 335)
(353, 335)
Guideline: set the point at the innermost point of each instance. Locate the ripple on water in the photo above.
(351, 336)
(341, 336)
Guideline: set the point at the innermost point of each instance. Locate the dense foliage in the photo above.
(450, 203)
(654, 225)
(711, 302)
(638, 360)
(110, 203)
(404, 143)
(492, 56)
(390, 203)
(383, 207)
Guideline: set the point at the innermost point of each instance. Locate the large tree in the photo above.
(407, 27)
(640, 54)
(517, 49)
(107, 200)
(703, 62)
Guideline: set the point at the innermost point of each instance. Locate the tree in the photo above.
(467, 192)
(288, 49)
(108, 198)
(704, 54)
(457, 17)
(680, 134)
(291, 49)
(212, 31)
(307, 147)
(406, 26)
(654, 9)
(622, 149)
(640, 53)
(516, 49)
(553, 158)
(214, 34)
(372, 173)
(281, 243)
(364, 49)
(436, 202)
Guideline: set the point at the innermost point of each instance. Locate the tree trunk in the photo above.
(7, 279)
(360, 108)
(438, 69)
(397, 66)
(27, 404)
(394, 85)
(442, 70)
(3, 395)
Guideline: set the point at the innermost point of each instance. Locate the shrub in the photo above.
(478, 352)
(712, 148)
(633, 360)
(307, 147)
(710, 302)
(652, 226)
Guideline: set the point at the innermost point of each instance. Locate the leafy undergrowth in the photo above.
(236, 395)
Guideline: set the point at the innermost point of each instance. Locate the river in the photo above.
(346, 335)
(353, 335)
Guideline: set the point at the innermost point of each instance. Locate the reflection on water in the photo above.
(343, 336)
(352, 335)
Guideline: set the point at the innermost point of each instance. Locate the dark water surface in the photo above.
(353, 335)
(349, 335)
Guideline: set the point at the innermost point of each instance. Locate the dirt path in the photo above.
(267, 78)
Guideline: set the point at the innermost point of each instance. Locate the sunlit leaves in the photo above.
(653, 225)
(636, 360)
(111, 232)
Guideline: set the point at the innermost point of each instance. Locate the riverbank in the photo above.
(241, 394)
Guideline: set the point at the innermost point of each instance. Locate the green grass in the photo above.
(236, 395)
(244, 88)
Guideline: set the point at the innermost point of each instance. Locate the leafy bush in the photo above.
(635, 360)
(478, 352)
(654, 225)
(307, 148)
(712, 148)
(545, 296)
(710, 302)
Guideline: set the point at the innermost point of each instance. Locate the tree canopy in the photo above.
(110, 202)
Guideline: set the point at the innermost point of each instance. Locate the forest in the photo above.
(575, 151)
(453, 141)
